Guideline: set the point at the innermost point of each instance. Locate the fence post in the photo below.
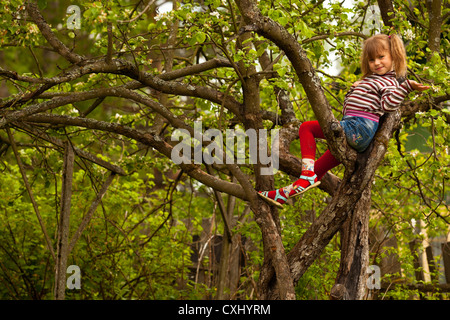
(446, 258)
(431, 263)
(417, 270)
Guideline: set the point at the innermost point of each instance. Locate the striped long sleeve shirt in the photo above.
(376, 95)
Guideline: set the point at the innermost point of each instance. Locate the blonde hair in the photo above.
(379, 43)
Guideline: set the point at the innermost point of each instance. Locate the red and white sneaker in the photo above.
(275, 197)
(307, 180)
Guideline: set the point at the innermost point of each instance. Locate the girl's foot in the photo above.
(307, 180)
(275, 197)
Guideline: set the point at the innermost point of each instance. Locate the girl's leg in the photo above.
(325, 163)
(308, 132)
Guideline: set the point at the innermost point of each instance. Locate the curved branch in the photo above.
(273, 31)
(99, 66)
(160, 83)
(33, 12)
(340, 34)
(96, 66)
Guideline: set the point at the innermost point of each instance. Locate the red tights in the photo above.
(308, 131)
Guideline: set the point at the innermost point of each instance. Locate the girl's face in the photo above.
(381, 63)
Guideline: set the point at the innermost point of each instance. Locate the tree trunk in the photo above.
(435, 22)
(351, 278)
(387, 11)
(351, 203)
(229, 266)
(64, 219)
(280, 280)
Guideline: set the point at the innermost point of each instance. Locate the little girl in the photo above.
(368, 99)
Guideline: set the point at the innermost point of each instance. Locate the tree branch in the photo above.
(62, 243)
(387, 11)
(91, 211)
(33, 12)
(273, 31)
(30, 193)
(117, 66)
(145, 138)
(79, 152)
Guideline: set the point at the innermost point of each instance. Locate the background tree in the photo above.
(114, 91)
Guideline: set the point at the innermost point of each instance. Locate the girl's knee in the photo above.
(305, 126)
(309, 126)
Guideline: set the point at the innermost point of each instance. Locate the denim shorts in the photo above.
(359, 131)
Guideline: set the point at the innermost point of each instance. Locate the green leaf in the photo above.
(281, 71)
(200, 37)
(434, 112)
(42, 4)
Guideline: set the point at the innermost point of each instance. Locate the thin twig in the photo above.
(91, 211)
(30, 193)
(140, 14)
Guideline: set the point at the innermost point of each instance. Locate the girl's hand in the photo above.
(354, 85)
(418, 86)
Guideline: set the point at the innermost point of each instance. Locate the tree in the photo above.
(242, 64)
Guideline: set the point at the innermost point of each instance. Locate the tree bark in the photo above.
(435, 23)
(387, 11)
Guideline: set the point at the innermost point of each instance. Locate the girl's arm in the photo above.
(392, 97)
(418, 86)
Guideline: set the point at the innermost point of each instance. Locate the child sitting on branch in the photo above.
(383, 63)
